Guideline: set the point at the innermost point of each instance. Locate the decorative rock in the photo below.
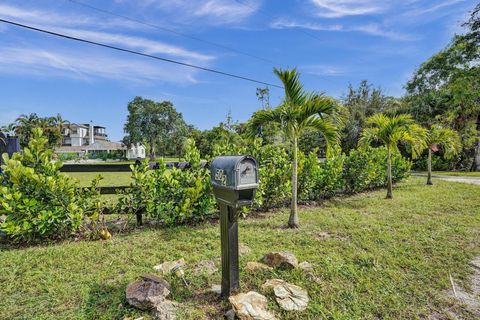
(229, 315)
(205, 266)
(306, 266)
(166, 310)
(283, 259)
(253, 267)
(250, 306)
(216, 288)
(289, 296)
(243, 249)
(168, 266)
(145, 294)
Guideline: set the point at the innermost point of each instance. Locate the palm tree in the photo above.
(298, 111)
(390, 131)
(441, 138)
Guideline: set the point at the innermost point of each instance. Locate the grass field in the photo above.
(381, 259)
(113, 179)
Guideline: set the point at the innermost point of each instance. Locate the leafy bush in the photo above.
(330, 179)
(308, 175)
(38, 201)
(274, 175)
(320, 179)
(366, 168)
(172, 196)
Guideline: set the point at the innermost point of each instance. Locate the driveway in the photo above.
(471, 180)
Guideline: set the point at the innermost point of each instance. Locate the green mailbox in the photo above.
(234, 180)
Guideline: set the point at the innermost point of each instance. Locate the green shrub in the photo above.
(308, 175)
(172, 196)
(274, 175)
(320, 179)
(38, 201)
(330, 179)
(366, 169)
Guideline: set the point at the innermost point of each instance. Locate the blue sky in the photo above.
(332, 43)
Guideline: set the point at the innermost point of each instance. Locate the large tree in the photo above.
(156, 124)
(446, 88)
(390, 131)
(298, 111)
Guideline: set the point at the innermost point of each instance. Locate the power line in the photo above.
(171, 31)
(138, 53)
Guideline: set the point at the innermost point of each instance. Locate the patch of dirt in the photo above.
(468, 298)
(324, 235)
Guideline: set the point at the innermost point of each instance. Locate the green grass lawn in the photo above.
(384, 259)
(114, 179)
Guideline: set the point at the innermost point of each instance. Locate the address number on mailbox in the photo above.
(221, 177)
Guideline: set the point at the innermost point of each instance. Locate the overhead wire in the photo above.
(61, 35)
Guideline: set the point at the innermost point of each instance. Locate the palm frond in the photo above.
(294, 91)
(260, 118)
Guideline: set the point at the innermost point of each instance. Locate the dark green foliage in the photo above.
(171, 196)
(359, 104)
(366, 169)
(24, 125)
(439, 163)
(275, 175)
(37, 200)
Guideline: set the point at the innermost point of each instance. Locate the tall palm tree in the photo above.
(298, 111)
(23, 127)
(446, 139)
(390, 131)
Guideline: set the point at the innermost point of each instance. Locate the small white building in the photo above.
(83, 139)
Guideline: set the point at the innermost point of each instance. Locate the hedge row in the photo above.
(38, 202)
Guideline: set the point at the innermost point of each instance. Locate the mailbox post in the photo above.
(234, 180)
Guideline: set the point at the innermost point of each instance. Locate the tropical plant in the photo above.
(359, 104)
(366, 168)
(390, 131)
(51, 127)
(447, 140)
(298, 111)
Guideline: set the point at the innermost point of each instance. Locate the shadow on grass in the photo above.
(105, 301)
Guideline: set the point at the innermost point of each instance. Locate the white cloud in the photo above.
(341, 8)
(433, 8)
(285, 24)
(214, 11)
(146, 45)
(31, 61)
(371, 29)
(324, 70)
(65, 60)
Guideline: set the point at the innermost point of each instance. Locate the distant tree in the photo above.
(390, 131)
(447, 140)
(298, 111)
(359, 104)
(51, 127)
(263, 95)
(156, 124)
(446, 89)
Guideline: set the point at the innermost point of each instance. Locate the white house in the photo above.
(87, 138)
